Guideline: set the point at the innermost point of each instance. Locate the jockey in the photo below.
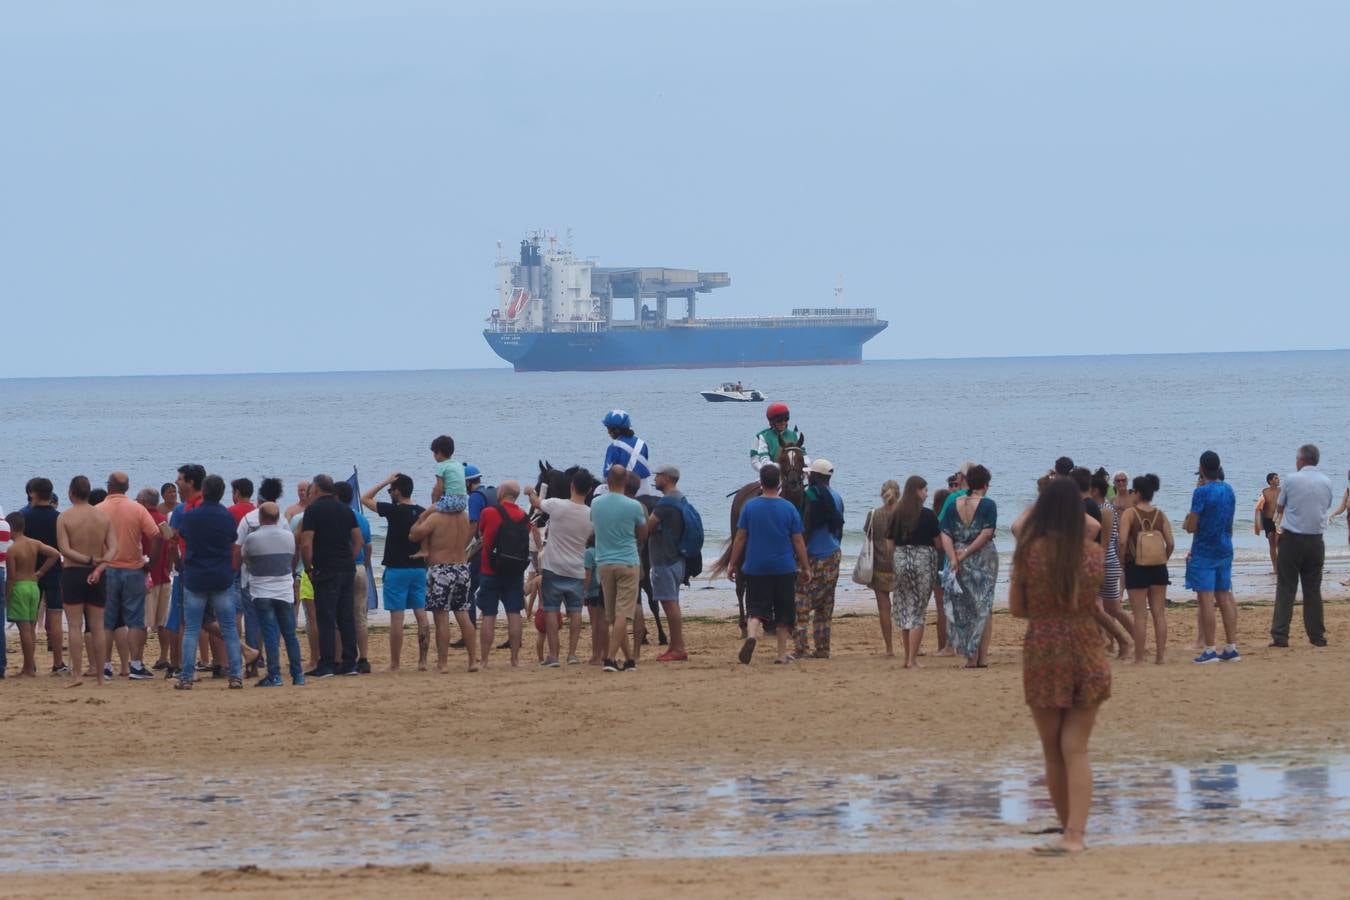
(626, 449)
(769, 441)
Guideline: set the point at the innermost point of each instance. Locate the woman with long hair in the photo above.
(883, 573)
(912, 542)
(1145, 546)
(1056, 574)
(968, 539)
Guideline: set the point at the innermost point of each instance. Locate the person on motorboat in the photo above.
(769, 442)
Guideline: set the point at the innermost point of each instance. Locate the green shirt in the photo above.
(615, 517)
(451, 474)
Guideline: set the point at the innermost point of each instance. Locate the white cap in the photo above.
(822, 467)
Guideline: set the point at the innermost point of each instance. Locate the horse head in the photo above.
(792, 463)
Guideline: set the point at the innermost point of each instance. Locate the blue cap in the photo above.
(471, 472)
(616, 418)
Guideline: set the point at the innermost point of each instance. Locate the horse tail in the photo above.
(723, 562)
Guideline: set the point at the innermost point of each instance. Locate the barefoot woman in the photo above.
(1056, 575)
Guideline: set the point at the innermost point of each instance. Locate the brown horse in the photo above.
(792, 461)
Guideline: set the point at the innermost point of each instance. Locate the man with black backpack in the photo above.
(507, 540)
(675, 544)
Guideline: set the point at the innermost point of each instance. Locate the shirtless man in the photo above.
(446, 538)
(1268, 516)
(21, 587)
(86, 540)
(301, 489)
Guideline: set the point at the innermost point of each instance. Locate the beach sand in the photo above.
(1185, 872)
(712, 710)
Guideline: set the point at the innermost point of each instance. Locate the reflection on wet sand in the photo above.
(867, 803)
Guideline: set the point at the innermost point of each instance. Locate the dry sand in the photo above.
(1221, 871)
(713, 710)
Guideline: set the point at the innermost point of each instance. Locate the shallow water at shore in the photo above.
(544, 811)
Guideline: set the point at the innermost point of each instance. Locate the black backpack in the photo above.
(510, 553)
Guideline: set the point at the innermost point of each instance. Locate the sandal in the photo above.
(181, 685)
(236, 683)
(1055, 849)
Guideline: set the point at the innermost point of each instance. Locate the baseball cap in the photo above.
(668, 470)
(822, 467)
(1209, 463)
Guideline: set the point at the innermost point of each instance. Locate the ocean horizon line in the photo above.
(507, 367)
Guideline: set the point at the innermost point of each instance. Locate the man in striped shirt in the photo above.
(267, 556)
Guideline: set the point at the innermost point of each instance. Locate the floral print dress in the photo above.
(1063, 662)
(968, 609)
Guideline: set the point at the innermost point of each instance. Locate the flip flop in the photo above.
(1054, 850)
(1053, 829)
(747, 651)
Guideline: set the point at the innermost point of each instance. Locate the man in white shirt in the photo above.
(267, 554)
(1305, 500)
(562, 564)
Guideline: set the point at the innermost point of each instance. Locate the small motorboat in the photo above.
(733, 393)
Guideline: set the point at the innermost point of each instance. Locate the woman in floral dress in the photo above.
(912, 542)
(1056, 575)
(968, 540)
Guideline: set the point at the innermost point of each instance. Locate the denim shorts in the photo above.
(666, 582)
(405, 588)
(559, 590)
(124, 598)
(508, 590)
(1208, 574)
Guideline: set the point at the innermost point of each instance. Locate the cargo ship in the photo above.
(556, 313)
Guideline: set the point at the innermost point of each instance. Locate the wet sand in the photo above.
(1221, 871)
(711, 710)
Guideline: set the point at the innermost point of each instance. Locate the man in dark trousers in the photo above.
(330, 544)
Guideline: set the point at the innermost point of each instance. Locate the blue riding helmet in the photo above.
(471, 472)
(617, 418)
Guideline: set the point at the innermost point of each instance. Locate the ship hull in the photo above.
(682, 347)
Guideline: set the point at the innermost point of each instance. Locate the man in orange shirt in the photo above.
(124, 580)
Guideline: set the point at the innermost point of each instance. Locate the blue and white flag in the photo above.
(372, 596)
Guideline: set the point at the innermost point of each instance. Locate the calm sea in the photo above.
(880, 420)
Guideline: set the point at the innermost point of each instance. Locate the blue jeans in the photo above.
(222, 602)
(277, 620)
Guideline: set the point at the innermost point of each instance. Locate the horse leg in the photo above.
(656, 616)
(740, 603)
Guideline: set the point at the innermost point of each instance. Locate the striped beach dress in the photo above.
(1110, 589)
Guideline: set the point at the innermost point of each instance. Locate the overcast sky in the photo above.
(314, 186)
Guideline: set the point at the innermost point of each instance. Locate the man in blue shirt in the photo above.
(479, 499)
(208, 579)
(824, 528)
(1209, 565)
(769, 553)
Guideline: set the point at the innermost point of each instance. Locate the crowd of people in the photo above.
(231, 585)
(228, 583)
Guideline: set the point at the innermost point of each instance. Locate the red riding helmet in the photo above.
(775, 410)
